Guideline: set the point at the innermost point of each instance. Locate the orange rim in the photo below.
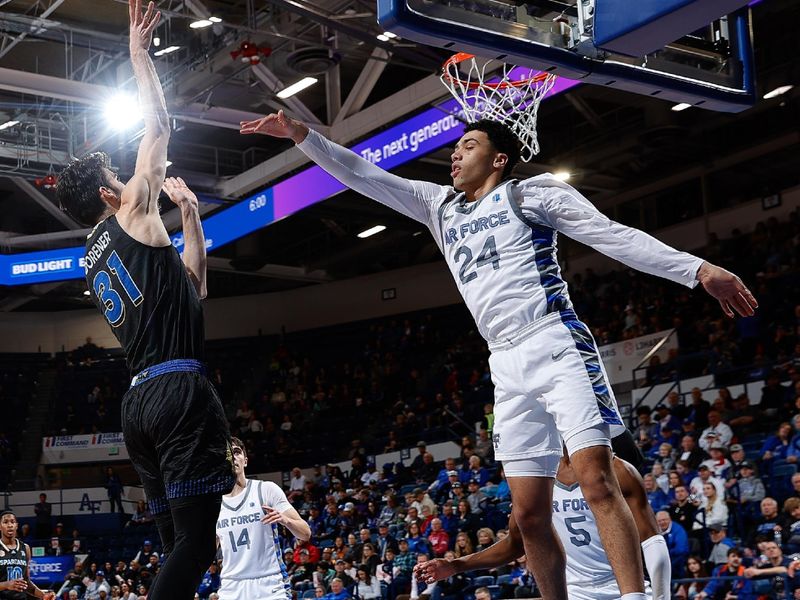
(473, 85)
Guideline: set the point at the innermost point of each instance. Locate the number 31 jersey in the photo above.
(251, 549)
(145, 294)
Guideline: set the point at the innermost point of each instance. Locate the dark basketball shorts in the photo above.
(177, 438)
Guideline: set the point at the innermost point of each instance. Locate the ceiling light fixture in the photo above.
(778, 91)
(123, 112)
(681, 106)
(297, 87)
(371, 231)
(562, 175)
(215, 19)
(167, 50)
(383, 37)
(390, 35)
(201, 23)
(8, 124)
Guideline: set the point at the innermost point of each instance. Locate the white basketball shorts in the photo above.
(550, 385)
(262, 588)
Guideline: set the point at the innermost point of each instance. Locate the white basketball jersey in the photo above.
(250, 549)
(587, 563)
(503, 264)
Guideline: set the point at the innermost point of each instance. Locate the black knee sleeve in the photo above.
(625, 447)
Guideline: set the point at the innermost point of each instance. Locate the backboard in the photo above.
(683, 51)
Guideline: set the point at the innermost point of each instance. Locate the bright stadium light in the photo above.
(215, 19)
(778, 91)
(562, 175)
(167, 50)
(8, 124)
(681, 106)
(123, 112)
(297, 87)
(371, 231)
(390, 35)
(383, 37)
(201, 23)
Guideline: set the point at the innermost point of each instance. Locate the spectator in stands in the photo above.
(776, 568)
(150, 570)
(776, 446)
(466, 520)
(683, 510)
(742, 416)
(677, 542)
(114, 488)
(661, 478)
(369, 558)
(696, 570)
(73, 580)
(452, 587)
(55, 548)
(449, 519)
(655, 495)
(463, 545)
(713, 503)
(419, 459)
(403, 567)
(721, 587)
(738, 457)
(745, 493)
(428, 471)
(476, 498)
(646, 431)
(367, 585)
(717, 463)
(770, 523)
(698, 409)
(143, 556)
(142, 514)
(438, 538)
(704, 476)
(297, 485)
(210, 582)
(420, 499)
(304, 569)
(338, 591)
(385, 541)
(690, 452)
(665, 419)
(676, 407)
(665, 456)
(43, 510)
(773, 396)
(717, 431)
(721, 543)
(94, 589)
(416, 543)
(474, 470)
(791, 508)
(484, 447)
(125, 592)
(793, 453)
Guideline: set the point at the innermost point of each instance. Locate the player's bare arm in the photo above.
(290, 519)
(498, 554)
(139, 203)
(34, 590)
(194, 241)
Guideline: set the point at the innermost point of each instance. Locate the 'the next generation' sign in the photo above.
(414, 137)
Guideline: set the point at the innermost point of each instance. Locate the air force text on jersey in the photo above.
(239, 520)
(476, 225)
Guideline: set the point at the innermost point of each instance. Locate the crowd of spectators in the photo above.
(721, 484)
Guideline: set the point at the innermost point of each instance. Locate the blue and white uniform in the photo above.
(502, 252)
(252, 563)
(589, 576)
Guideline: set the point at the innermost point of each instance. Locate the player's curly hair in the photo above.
(239, 444)
(502, 138)
(78, 185)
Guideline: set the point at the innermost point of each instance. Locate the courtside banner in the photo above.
(51, 569)
(66, 449)
(621, 358)
(410, 139)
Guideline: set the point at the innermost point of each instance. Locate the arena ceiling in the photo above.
(620, 148)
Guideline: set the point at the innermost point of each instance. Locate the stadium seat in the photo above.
(496, 591)
(483, 581)
(504, 580)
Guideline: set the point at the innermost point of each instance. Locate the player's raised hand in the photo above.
(142, 25)
(434, 570)
(728, 289)
(177, 191)
(272, 516)
(276, 125)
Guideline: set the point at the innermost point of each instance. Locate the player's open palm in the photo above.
(728, 289)
(142, 25)
(177, 191)
(275, 124)
(434, 570)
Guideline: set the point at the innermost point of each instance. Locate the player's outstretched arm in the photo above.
(411, 198)
(32, 589)
(151, 161)
(499, 554)
(290, 519)
(194, 241)
(562, 207)
(654, 547)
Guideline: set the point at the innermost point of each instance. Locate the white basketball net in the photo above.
(514, 102)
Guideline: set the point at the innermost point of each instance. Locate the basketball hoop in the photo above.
(512, 101)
